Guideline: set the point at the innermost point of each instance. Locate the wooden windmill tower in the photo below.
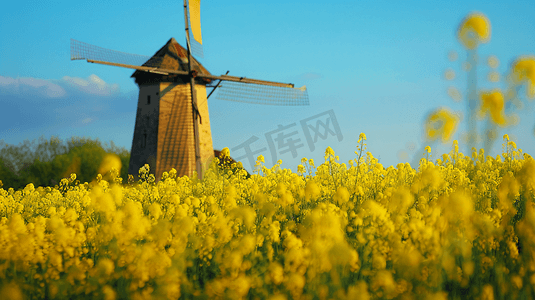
(172, 128)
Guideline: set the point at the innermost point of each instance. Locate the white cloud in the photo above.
(5, 81)
(39, 88)
(72, 103)
(92, 85)
(33, 86)
(87, 120)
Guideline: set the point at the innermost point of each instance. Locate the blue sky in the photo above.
(378, 66)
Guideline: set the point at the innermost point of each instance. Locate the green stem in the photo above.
(472, 98)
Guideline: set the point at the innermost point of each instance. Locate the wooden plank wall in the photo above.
(176, 148)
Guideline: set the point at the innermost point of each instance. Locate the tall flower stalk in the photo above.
(473, 31)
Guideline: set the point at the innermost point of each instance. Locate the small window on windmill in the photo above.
(148, 99)
(144, 141)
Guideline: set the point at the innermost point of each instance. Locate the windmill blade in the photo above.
(215, 87)
(196, 49)
(81, 50)
(195, 36)
(99, 55)
(262, 94)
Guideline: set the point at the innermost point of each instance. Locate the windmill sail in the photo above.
(81, 50)
(233, 88)
(262, 94)
(195, 38)
(99, 55)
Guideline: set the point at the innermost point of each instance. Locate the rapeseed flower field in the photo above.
(457, 227)
(460, 227)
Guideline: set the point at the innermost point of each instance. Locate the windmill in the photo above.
(172, 128)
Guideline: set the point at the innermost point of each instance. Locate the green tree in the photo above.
(46, 162)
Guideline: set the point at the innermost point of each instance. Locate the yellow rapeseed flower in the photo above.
(440, 123)
(11, 291)
(106, 266)
(329, 152)
(493, 76)
(312, 191)
(276, 273)
(155, 210)
(110, 162)
(449, 74)
(225, 152)
(341, 196)
(109, 293)
(487, 293)
(493, 103)
(473, 30)
(493, 61)
(454, 93)
(523, 70)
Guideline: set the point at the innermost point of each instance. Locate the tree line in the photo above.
(45, 162)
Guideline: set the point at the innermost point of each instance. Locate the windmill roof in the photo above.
(172, 56)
